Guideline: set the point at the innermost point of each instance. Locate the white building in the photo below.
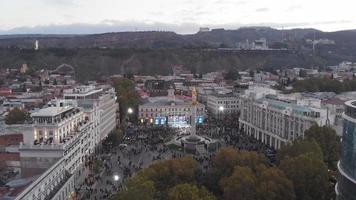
(54, 184)
(104, 98)
(63, 136)
(57, 147)
(222, 104)
(276, 122)
(170, 111)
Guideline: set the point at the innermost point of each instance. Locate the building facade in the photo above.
(220, 105)
(346, 186)
(170, 111)
(276, 122)
(103, 98)
(63, 136)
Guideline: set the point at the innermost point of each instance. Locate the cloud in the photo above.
(262, 10)
(61, 2)
(293, 8)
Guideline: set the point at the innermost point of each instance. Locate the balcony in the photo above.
(64, 143)
(58, 187)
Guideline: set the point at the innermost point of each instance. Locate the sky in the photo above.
(181, 16)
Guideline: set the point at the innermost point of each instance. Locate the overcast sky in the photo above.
(182, 16)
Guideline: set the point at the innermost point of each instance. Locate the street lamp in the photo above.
(130, 110)
(221, 109)
(116, 177)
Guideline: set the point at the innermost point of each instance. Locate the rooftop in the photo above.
(281, 105)
(51, 111)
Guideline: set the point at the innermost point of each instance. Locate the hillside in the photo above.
(155, 52)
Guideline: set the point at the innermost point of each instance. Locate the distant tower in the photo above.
(36, 45)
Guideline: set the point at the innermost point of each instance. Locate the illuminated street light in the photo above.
(116, 177)
(221, 108)
(130, 110)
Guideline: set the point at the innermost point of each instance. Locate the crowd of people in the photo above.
(146, 145)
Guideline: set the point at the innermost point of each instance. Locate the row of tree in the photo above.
(301, 173)
(324, 85)
(127, 96)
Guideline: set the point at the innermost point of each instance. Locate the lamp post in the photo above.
(129, 113)
(116, 178)
(221, 110)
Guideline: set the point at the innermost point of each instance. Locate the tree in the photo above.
(189, 192)
(309, 175)
(225, 161)
(16, 116)
(328, 141)
(126, 94)
(232, 74)
(251, 159)
(138, 188)
(299, 147)
(55, 82)
(240, 185)
(166, 174)
(273, 184)
(113, 139)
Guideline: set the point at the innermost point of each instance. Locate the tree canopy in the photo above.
(299, 147)
(309, 175)
(324, 85)
(126, 94)
(189, 192)
(16, 116)
(328, 141)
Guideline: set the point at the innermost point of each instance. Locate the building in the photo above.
(56, 183)
(56, 132)
(56, 148)
(276, 122)
(24, 68)
(346, 185)
(103, 98)
(169, 110)
(220, 105)
(62, 138)
(157, 87)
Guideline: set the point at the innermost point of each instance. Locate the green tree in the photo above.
(126, 94)
(309, 175)
(226, 160)
(273, 184)
(328, 141)
(299, 147)
(16, 116)
(189, 192)
(250, 159)
(138, 188)
(240, 185)
(113, 139)
(168, 173)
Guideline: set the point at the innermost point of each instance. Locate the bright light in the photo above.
(130, 110)
(221, 108)
(116, 177)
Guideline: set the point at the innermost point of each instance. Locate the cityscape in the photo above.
(172, 110)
